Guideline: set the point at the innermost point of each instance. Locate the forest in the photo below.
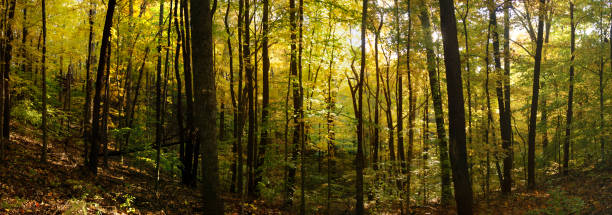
(305, 107)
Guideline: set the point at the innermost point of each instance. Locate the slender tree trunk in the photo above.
(106, 107)
(534, 101)
(507, 145)
(297, 99)
(266, 95)
(233, 167)
(6, 128)
(95, 131)
(456, 109)
(411, 108)
(399, 97)
(359, 210)
(86, 124)
(158, 99)
(570, 96)
(188, 177)
(44, 82)
(376, 133)
(502, 101)
(205, 98)
(434, 83)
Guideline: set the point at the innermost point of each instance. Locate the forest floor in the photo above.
(62, 185)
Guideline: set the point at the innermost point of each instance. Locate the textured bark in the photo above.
(95, 131)
(8, 57)
(359, 209)
(411, 110)
(456, 109)
(86, 123)
(43, 157)
(570, 96)
(534, 101)
(266, 96)
(248, 68)
(205, 98)
(434, 83)
(399, 96)
(503, 105)
(188, 177)
(297, 100)
(158, 92)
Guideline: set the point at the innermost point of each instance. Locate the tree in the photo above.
(43, 157)
(456, 109)
(445, 164)
(503, 100)
(95, 131)
(534, 100)
(359, 114)
(266, 94)
(570, 96)
(205, 97)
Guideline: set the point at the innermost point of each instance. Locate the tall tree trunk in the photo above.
(297, 99)
(456, 109)
(95, 131)
(376, 133)
(233, 167)
(507, 145)
(411, 108)
(489, 114)
(399, 96)
(158, 99)
(502, 90)
(8, 57)
(359, 210)
(205, 98)
(266, 95)
(179, 86)
(246, 52)
(106, 107)
(434, 83)
(188, 177)
(534, 101)
(44, 81)
(570, 96)
(86, 123)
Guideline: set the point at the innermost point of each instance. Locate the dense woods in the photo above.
(305, 107)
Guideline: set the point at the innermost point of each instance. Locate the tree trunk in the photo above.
(399, 97)
(188, 177)
(86, 124)
(158, 99)
(503, 104)
(456, 109)
(44, 82)
(411, 109)
(297, 99)
(248, 67)
(437, 102)
(266, 96)
(534, 101)
(359, 210)
(8, 49)
(95, 131)
(570, 96)
(205, 98)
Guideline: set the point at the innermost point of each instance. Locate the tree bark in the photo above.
(534, 101)
(359, 210)
(95, 131)
(434, 83)
(44, 82)
(266, 95)
(570, 96)
(205, 98)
